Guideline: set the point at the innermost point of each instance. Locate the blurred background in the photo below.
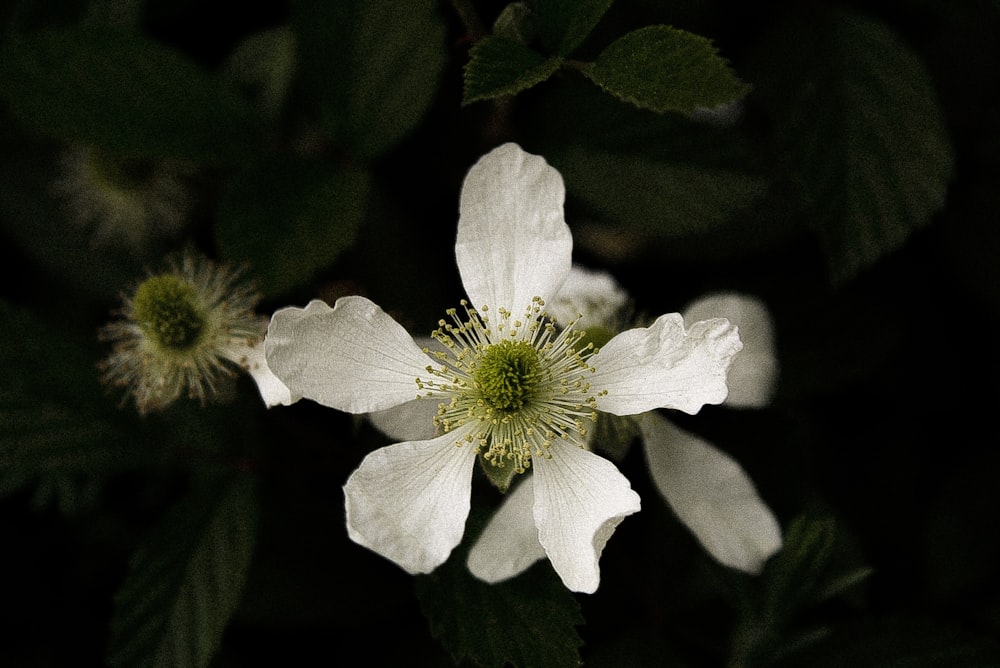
(851, 185)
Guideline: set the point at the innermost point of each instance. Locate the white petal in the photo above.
(662, 366)
(409, 501)
(413, 420)
(353, 357)
(593, 294)
(580, 498)
(513, 242)
(410, 421)
(509, 543)
(251, 358)
(753, 375)
(711, 494)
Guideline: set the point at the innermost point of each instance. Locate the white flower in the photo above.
(706, 488)
(505, 385)
(184, 330)
(121, 200)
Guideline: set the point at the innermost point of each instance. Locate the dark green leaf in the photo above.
(655, 199)
(860, 123)
(665, 69)
(186, 579)
(614, 434)
(896, 643)
(564, 24)
(794, 573)
(124, 92)
(42, 442)
(371, 66)
(516, 22)
(816, 563)
(54, 430)
(527, 621)
(290, 218)
(263, 64)
(499, 66)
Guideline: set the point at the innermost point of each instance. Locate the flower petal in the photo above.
(664, 366)
(410, 421)
(513, 242)
(580, 498)
(251, 358)
(509, 543)
(409, 501)
(711, 494)
(413, 420)
(753, 376)
(353, 357)
(593, 294)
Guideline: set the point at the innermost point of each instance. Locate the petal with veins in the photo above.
(753, 376)
(509, 543)
(711, 494)
(410, 421)
(353, 357)
(409, 501)
(580, 498)
(251, 358)
(513, 242)
(594, 295)
(664, 366)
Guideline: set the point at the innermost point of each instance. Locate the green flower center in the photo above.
(510, 386)
(168, 311)
(508, 375)
(119, 173)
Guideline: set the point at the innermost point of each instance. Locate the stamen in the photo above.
(523, 383)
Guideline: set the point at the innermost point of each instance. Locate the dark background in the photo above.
(881, 437)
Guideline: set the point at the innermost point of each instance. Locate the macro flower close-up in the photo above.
(522, 333)
(510, 386)
(706, 488)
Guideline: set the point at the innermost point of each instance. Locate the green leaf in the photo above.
(55, 431)
(372, 67)
(527, 621)
(896, 642)
(186, 580)
(665, 69)
(63, 448)
(124, 92)
(499, 66)
(794, 573)
(614, 434)
(263, 64)
(564, 24)
(817, 562)
(864, 135)
(654, 199)
(290, 218)
(517, 21)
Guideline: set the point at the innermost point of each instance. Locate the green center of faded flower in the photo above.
(168, 311)
(508, 375)
(119, 173)
(510, 387)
